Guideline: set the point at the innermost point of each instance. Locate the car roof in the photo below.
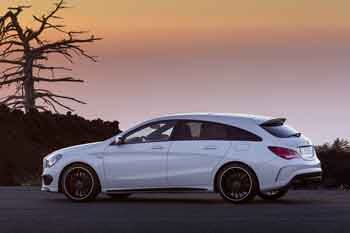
(223, 117)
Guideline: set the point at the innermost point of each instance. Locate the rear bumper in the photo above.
(302, 177)
(300, 173)
(307, 178)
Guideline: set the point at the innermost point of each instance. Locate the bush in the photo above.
(335, 160)
(27, 138)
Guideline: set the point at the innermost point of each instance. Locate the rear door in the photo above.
(196, 149)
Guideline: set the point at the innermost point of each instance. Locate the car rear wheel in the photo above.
(80, 183)
(237, 183)
(273, 195)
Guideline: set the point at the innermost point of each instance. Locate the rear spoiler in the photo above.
(274, 122)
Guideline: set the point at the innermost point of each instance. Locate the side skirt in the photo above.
(159, 190)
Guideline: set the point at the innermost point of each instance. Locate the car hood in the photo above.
(89, 148)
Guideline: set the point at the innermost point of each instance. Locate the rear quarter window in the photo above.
(238, 134)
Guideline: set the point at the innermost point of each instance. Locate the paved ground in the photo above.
(29, 210)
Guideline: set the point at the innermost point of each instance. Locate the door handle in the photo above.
(209, 147)
(157, 147)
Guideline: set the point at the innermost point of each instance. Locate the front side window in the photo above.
(154, 132)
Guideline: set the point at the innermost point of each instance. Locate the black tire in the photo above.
(120, 196)
(237, 183)
(80, 183)
(273, 195)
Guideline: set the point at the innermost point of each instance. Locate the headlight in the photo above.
(52, 160)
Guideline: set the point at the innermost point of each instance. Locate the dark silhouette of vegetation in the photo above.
(335, 160)
(26, 138)
(25, 51)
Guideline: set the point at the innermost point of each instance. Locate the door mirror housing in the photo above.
(118, 140)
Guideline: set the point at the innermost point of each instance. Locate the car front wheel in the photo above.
(237, 183)
(80, 183)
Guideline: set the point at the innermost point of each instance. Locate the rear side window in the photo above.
(200, 130)
(212, 131)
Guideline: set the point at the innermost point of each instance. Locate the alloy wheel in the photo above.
(78, 183)
(236, 184)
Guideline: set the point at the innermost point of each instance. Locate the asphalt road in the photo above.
(29, 210)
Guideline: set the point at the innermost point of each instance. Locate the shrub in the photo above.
(335, 160)
(27, 138)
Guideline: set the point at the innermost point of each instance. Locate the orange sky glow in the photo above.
(279, 58)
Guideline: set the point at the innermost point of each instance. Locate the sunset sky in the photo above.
(286, 58)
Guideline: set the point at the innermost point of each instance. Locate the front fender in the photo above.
(94, 161)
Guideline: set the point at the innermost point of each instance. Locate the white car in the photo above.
(238, 156)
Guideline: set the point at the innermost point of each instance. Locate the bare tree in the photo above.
(25, 53)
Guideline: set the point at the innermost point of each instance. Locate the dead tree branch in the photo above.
(24, 51)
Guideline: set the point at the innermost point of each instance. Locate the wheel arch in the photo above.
(215, 188)
(77, 163)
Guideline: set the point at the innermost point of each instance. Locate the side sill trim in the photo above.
(158, 190)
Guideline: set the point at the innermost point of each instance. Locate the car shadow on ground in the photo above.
(204, 201)
(185, 200)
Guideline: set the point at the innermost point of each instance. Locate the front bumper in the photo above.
(46, 179)
(50, 179)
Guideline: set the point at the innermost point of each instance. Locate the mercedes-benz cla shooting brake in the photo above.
(237, 156)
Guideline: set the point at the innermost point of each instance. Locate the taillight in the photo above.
(284, 153)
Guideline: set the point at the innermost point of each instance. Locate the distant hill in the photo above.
(26, 138)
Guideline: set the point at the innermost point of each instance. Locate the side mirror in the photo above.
(118, 140)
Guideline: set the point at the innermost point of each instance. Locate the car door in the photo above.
(196, 149)
(140, 160)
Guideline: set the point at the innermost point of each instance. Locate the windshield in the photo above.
(281, 130)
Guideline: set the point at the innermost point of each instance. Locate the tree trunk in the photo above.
(29, 93)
